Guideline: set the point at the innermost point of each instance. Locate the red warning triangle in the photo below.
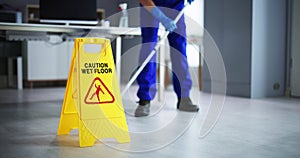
(98, 93)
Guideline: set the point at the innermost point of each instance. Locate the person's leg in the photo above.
(147, 78)
(181, 77)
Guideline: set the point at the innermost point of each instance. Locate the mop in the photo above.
(158, 44)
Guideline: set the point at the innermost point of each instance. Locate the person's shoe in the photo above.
(185, 104)
(143, 109)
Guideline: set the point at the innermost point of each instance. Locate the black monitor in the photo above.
(68, 11)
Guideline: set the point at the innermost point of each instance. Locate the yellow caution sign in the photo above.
(92, 100)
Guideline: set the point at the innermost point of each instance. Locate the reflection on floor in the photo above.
(268, 127)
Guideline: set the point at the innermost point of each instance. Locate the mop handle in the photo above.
(133, 78)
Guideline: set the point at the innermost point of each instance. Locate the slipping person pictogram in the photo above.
(97, 92)
(99, 89)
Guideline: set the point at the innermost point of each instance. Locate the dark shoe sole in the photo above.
(189, 109)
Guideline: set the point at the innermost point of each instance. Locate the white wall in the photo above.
(268, 47)
(194, 18)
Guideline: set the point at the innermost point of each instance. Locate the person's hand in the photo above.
(190, 1)
(168, 23)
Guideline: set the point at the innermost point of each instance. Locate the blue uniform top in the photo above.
(174, 4)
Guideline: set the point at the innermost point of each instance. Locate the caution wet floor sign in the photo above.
(92, 100)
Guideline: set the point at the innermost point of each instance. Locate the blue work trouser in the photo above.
(149, 27)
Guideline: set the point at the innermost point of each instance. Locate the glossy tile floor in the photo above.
(266, 128)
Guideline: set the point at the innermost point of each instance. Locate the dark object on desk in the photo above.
(68, 11)
(10, 16)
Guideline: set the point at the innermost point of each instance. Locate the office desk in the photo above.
(67, 28)
(24, 31)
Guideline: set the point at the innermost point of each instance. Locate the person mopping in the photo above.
(151, 16)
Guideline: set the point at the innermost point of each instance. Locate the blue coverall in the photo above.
(149, 27)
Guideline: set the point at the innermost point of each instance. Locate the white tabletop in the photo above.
(68, 28)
